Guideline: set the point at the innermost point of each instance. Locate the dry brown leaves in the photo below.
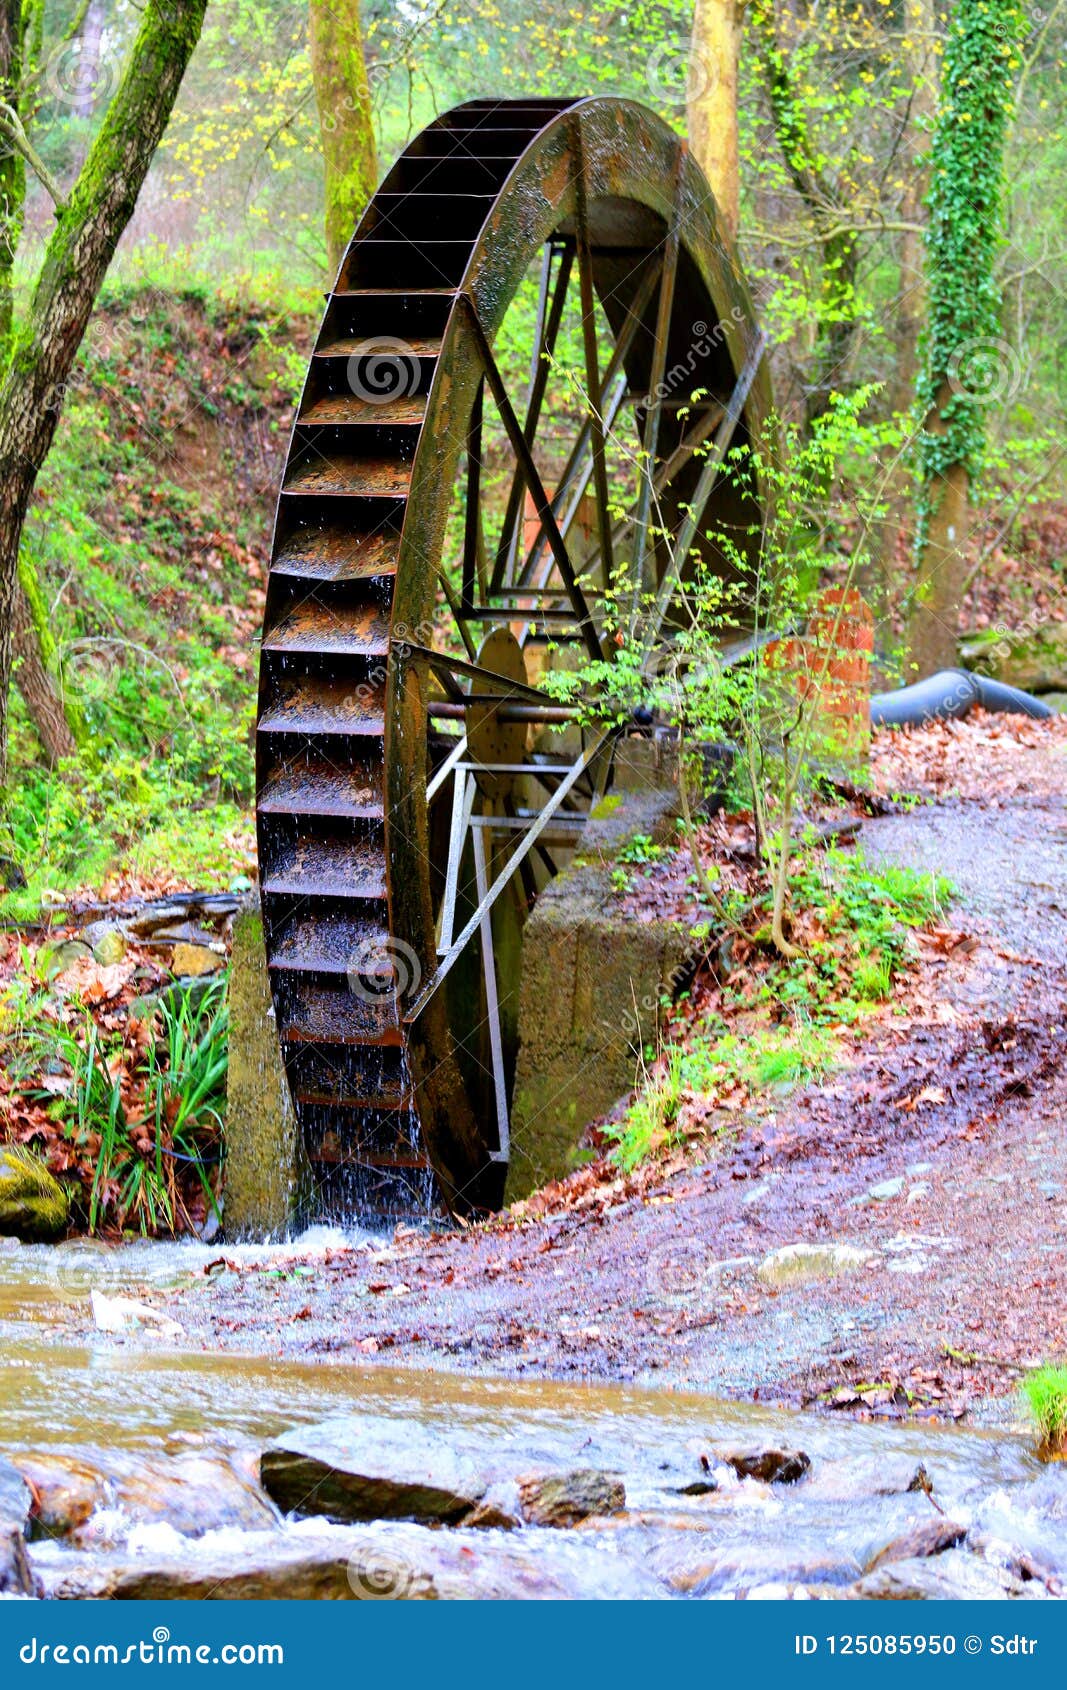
(983, 757)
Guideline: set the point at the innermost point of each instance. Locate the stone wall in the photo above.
(592, 981)
(263, 1150)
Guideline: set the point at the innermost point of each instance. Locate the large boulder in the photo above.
(358, 1469)
(195, 1494)
(919, 1542)
(1035, 660)
(387, 1563)
(65, 1493)
(33, 1204)
(953, 1576)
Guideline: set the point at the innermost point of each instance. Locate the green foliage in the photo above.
(856, 916)
(709, 1063)
(151, 573)
(713, 678)
(72, 827)
(1045, 1391)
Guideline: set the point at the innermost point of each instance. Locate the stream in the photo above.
(145, 1458)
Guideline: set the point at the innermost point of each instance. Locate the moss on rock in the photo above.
(33, 1204)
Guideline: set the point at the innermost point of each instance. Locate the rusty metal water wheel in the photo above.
(442, 527)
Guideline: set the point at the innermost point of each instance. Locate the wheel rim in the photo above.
(399, 849)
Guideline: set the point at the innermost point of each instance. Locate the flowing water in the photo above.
(171, 1438)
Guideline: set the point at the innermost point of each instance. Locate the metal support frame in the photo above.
(492, 1002)
(445, 965)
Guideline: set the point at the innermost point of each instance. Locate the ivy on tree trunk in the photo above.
(37, 354)
(967, 364)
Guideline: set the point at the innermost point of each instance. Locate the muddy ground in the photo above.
(941, 1150)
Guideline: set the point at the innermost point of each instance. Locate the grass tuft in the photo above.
(1045, 1391)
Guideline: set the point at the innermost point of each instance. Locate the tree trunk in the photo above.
(12, 166)
(711, 104)
(935, 623)
(346, 124)
(43, 700)
(40, 352)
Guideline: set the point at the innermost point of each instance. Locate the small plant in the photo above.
(142, 1112)
(640, 849)
(648, 1124)
(1045, 1391)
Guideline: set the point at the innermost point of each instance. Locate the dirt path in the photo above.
(941, 1153)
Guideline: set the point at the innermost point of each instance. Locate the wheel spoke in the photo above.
(545, 344)
(579, 463)
(709, 475)
(473, 511)
(492, 1004)
(533, 480)
(446, 666)
(644, 574)
(462, 801)
(592, 375)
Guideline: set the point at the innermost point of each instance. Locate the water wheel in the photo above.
(530, 303)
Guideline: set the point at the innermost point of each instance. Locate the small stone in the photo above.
(1049, 1189)
(760, 1191)
(886, 1190)
(191, 961)
(812, 1261)
(771, 1466)
(64, 955)
(108, 941)
(918, 1192)
(914, 1170)
(563, 1499)
(500, 1507)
